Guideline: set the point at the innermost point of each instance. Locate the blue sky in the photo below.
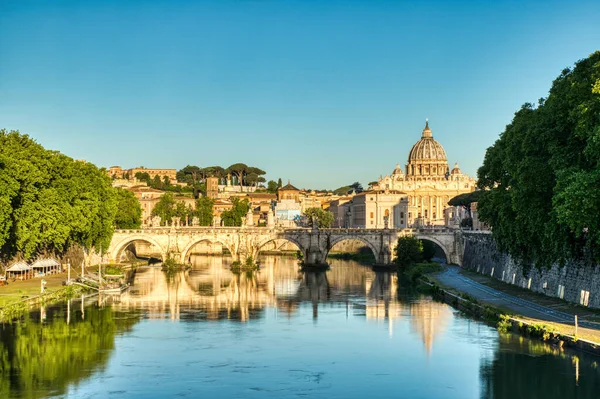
(324, 93)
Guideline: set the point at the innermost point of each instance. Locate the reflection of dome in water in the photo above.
(429, 319)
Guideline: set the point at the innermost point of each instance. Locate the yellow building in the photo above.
(212, 187)
(116, 172)
(428, 183)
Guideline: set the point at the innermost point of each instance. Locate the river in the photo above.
(349, 332)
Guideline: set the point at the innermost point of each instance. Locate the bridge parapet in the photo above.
(315, 244)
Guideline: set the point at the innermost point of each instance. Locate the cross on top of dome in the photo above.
(427, 130)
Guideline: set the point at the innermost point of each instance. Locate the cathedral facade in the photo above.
(421, 193)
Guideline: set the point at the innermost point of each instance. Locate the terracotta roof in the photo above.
(289, 187)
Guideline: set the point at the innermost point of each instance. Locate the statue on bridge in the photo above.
(155, 221)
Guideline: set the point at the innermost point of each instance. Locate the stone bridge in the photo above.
(314, 244)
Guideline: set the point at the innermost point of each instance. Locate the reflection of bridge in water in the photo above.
(209, 291)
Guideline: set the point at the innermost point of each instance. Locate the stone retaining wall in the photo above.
(572, 282)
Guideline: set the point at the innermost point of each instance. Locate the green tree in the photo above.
(254, 176)
(357, 187)
(465, 200)
(272, 186)
(43, 359)
(324, 218)
(408, 251)
(204, 210)
(48, 201)
(129, 210)
(233, 216)
(165, 208)
(193, 176)
(279, 183)
(143, 177)
(342, 190)
(182, 211)
(215, 171)
(156, 183)
(429, 250)
(540, 178)
(238, 170)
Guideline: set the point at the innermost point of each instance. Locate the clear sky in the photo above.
(324, 93)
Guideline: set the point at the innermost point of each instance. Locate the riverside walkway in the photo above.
(520, 301)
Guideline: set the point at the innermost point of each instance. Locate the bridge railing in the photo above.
(220, 229)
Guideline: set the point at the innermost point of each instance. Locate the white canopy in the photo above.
(42, 263)
(19, 267)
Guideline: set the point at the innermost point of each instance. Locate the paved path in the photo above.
(452, 278)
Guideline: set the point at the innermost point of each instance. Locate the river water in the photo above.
(349, 332)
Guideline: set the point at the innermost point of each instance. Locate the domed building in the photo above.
(417, 196)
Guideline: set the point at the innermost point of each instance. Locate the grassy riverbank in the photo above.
(16, 309)
(19, 290)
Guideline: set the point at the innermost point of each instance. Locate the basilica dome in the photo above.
(427, 159)
(427, 149)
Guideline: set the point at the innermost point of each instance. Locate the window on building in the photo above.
(402, 214)
(584, 298)
(371, 215)
(561, 291)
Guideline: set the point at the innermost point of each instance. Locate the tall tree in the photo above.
(234, 216)
(143, 177)
(204, 210)
(272, 186)
(408, 251)
(48, 201)
(324, 218)
(165, 208)
(238, 170)
(254, 176)
(191, 175)
(357, 187)
(129, 210)
(540, 178)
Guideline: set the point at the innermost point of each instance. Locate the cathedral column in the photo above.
(430, 207)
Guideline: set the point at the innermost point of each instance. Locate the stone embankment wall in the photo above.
(573, 282)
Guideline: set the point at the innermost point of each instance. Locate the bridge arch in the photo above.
(197, 240)
(117, 252)
(337, 240)
(263, 243)
(438, 243)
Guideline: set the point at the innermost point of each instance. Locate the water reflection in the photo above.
(211, 291)
(279, 332)
(523, 368)
(55, 347)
